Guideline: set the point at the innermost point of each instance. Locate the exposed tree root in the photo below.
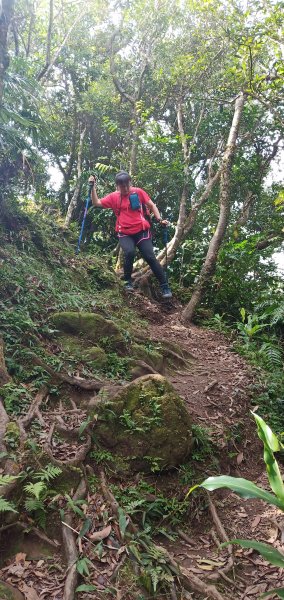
(224, 538)
(30, 529)
(71, 462)
(4, 375)
(4, 420)
(185, 537)
(84, 384)
(34, 408)
(10, 467)
(189, 581)
(69, 543)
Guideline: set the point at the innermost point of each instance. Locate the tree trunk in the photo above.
(224, 201)
(184, 223)
(48, 67)
(180, 234)
(6, 12)
(134, 144)
(31, 28)
(75, 198)
(4, 375)
(48, 42)
(16, 38)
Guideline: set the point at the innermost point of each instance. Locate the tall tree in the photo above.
(6, 12)
(224, 203)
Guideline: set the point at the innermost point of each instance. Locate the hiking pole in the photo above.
(165, 241)
(88, 200)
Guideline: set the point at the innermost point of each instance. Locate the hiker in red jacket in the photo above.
(130, 205)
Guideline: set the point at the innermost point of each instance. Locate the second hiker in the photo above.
(130, 205)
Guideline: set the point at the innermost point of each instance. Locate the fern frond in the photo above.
(6, 506)
(40, 517)
(272, 355)
(133, 505)
(35, 489)
(155, 577)
(48, 474)
(277, 316)
(33, 504)
(6, 479)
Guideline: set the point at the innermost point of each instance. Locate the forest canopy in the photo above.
(187, 96)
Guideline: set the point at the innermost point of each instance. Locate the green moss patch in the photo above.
(146, 423)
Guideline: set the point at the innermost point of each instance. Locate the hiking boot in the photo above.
(166, 291)
(128, 286)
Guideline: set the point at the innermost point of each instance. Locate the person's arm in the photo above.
(94, 196)
(153, 207)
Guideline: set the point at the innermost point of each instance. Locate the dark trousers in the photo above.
(143, 241)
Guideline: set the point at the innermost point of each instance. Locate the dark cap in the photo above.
(122, 177)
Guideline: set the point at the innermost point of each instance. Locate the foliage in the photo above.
(155, 512)
(5, 505)
(248, 489)
(38, 492)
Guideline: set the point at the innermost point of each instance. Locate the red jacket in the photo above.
(128, 221)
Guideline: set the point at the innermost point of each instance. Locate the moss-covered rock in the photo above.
(91, 327)
(150, 356)
(97, 355)
(147, 424)
(9, 592)
(82, 349)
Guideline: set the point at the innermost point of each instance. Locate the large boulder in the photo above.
(145, 425)
(91, 327)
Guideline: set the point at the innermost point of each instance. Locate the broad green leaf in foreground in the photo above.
(271, 444)
(243, 487)
(278, 591)
(268, 552)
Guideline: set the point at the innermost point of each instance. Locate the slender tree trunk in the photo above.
(31, 28)
(48, 42)
(76, 196)
(224, 201)
(181, 234)
(6, 13)
(134, 144)
(47, 68)
(16, 38)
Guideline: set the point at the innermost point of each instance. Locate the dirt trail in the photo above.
(217, 391)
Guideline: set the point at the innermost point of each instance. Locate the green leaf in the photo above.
(82, 566)
(271, 444)
(85, 528)
(278, 591)
(84, 426)
(267, 551)
(35, 489)
(243, 487)
(266, 434)
(6, 479)
(86, 588)
(122, 521)
(6, 506)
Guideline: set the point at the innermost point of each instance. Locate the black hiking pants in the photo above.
(143, 241)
